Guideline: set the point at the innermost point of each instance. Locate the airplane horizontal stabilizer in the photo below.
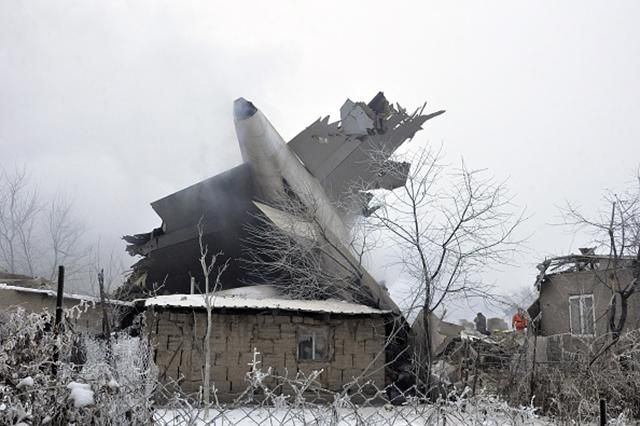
(351, 154)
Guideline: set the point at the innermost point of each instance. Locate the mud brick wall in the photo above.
(85, 317)
(356, 344)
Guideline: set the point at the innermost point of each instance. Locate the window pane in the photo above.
(587, 315)
(321, 346)
(305, 347)
(574, 314)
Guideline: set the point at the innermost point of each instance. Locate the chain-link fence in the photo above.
(72, 378)
(68, 377)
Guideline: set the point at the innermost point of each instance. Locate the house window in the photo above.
(581, 315)
(313, 344)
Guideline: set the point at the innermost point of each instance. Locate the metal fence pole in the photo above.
(603, 412)
(59, 298)
(58, 319)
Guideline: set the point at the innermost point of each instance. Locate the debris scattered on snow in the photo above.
(113, 384)
(26, 382)
(81, 394)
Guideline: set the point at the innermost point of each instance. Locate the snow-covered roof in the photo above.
(261, 297)
(51, 293)
(254, 291)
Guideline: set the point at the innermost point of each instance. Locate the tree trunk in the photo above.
(106, 327)
(207, 362)
(425, 369)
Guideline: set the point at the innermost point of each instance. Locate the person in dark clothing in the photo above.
(481, 324)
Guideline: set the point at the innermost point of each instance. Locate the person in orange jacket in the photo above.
(519, 321)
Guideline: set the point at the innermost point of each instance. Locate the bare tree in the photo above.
(37, 235)
(107, 260)
(448, 226)
(208, 264)
(64, 236)
(290, 246)
(19, 209)
(447, 236)
(103, 272)
(617, 231)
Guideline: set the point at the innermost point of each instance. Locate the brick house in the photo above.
(344, 340)
(573, 302)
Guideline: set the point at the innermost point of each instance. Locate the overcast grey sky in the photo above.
(119, 103)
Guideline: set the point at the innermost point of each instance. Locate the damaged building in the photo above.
(575, 295)
(319, 167)
(327, 170)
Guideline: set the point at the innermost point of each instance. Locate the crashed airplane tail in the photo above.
(317, 168)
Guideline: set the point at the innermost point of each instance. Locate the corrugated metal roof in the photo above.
(248, 302)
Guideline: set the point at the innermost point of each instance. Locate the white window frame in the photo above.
(580, 298)
(313, 332)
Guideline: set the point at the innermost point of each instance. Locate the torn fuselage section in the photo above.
(223, 206)
(142, 244)
(328, 168)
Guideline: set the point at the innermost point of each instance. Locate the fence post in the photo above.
(59, 298)
(532, 383)
(603, 412)
(58, 320)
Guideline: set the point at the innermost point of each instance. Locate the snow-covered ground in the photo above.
(377, 416)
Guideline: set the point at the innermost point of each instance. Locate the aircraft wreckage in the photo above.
(318, 167)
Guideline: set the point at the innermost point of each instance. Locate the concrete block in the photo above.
(238, 376)
(363, 333)
(343, 361)
(268, 319)
(349, 373)
(269, 331)
(287, 340)
(275, 361)
(282, 319)
(280, 347)
(167, 328)
(362, 361)
(221, 358)
(218, 373)
(290, 362)
(219, 344)
(174, 342)
(334, 378)
(190, 386)
(222, 387)
(238, 344)
(197, 371)
(373, 346)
